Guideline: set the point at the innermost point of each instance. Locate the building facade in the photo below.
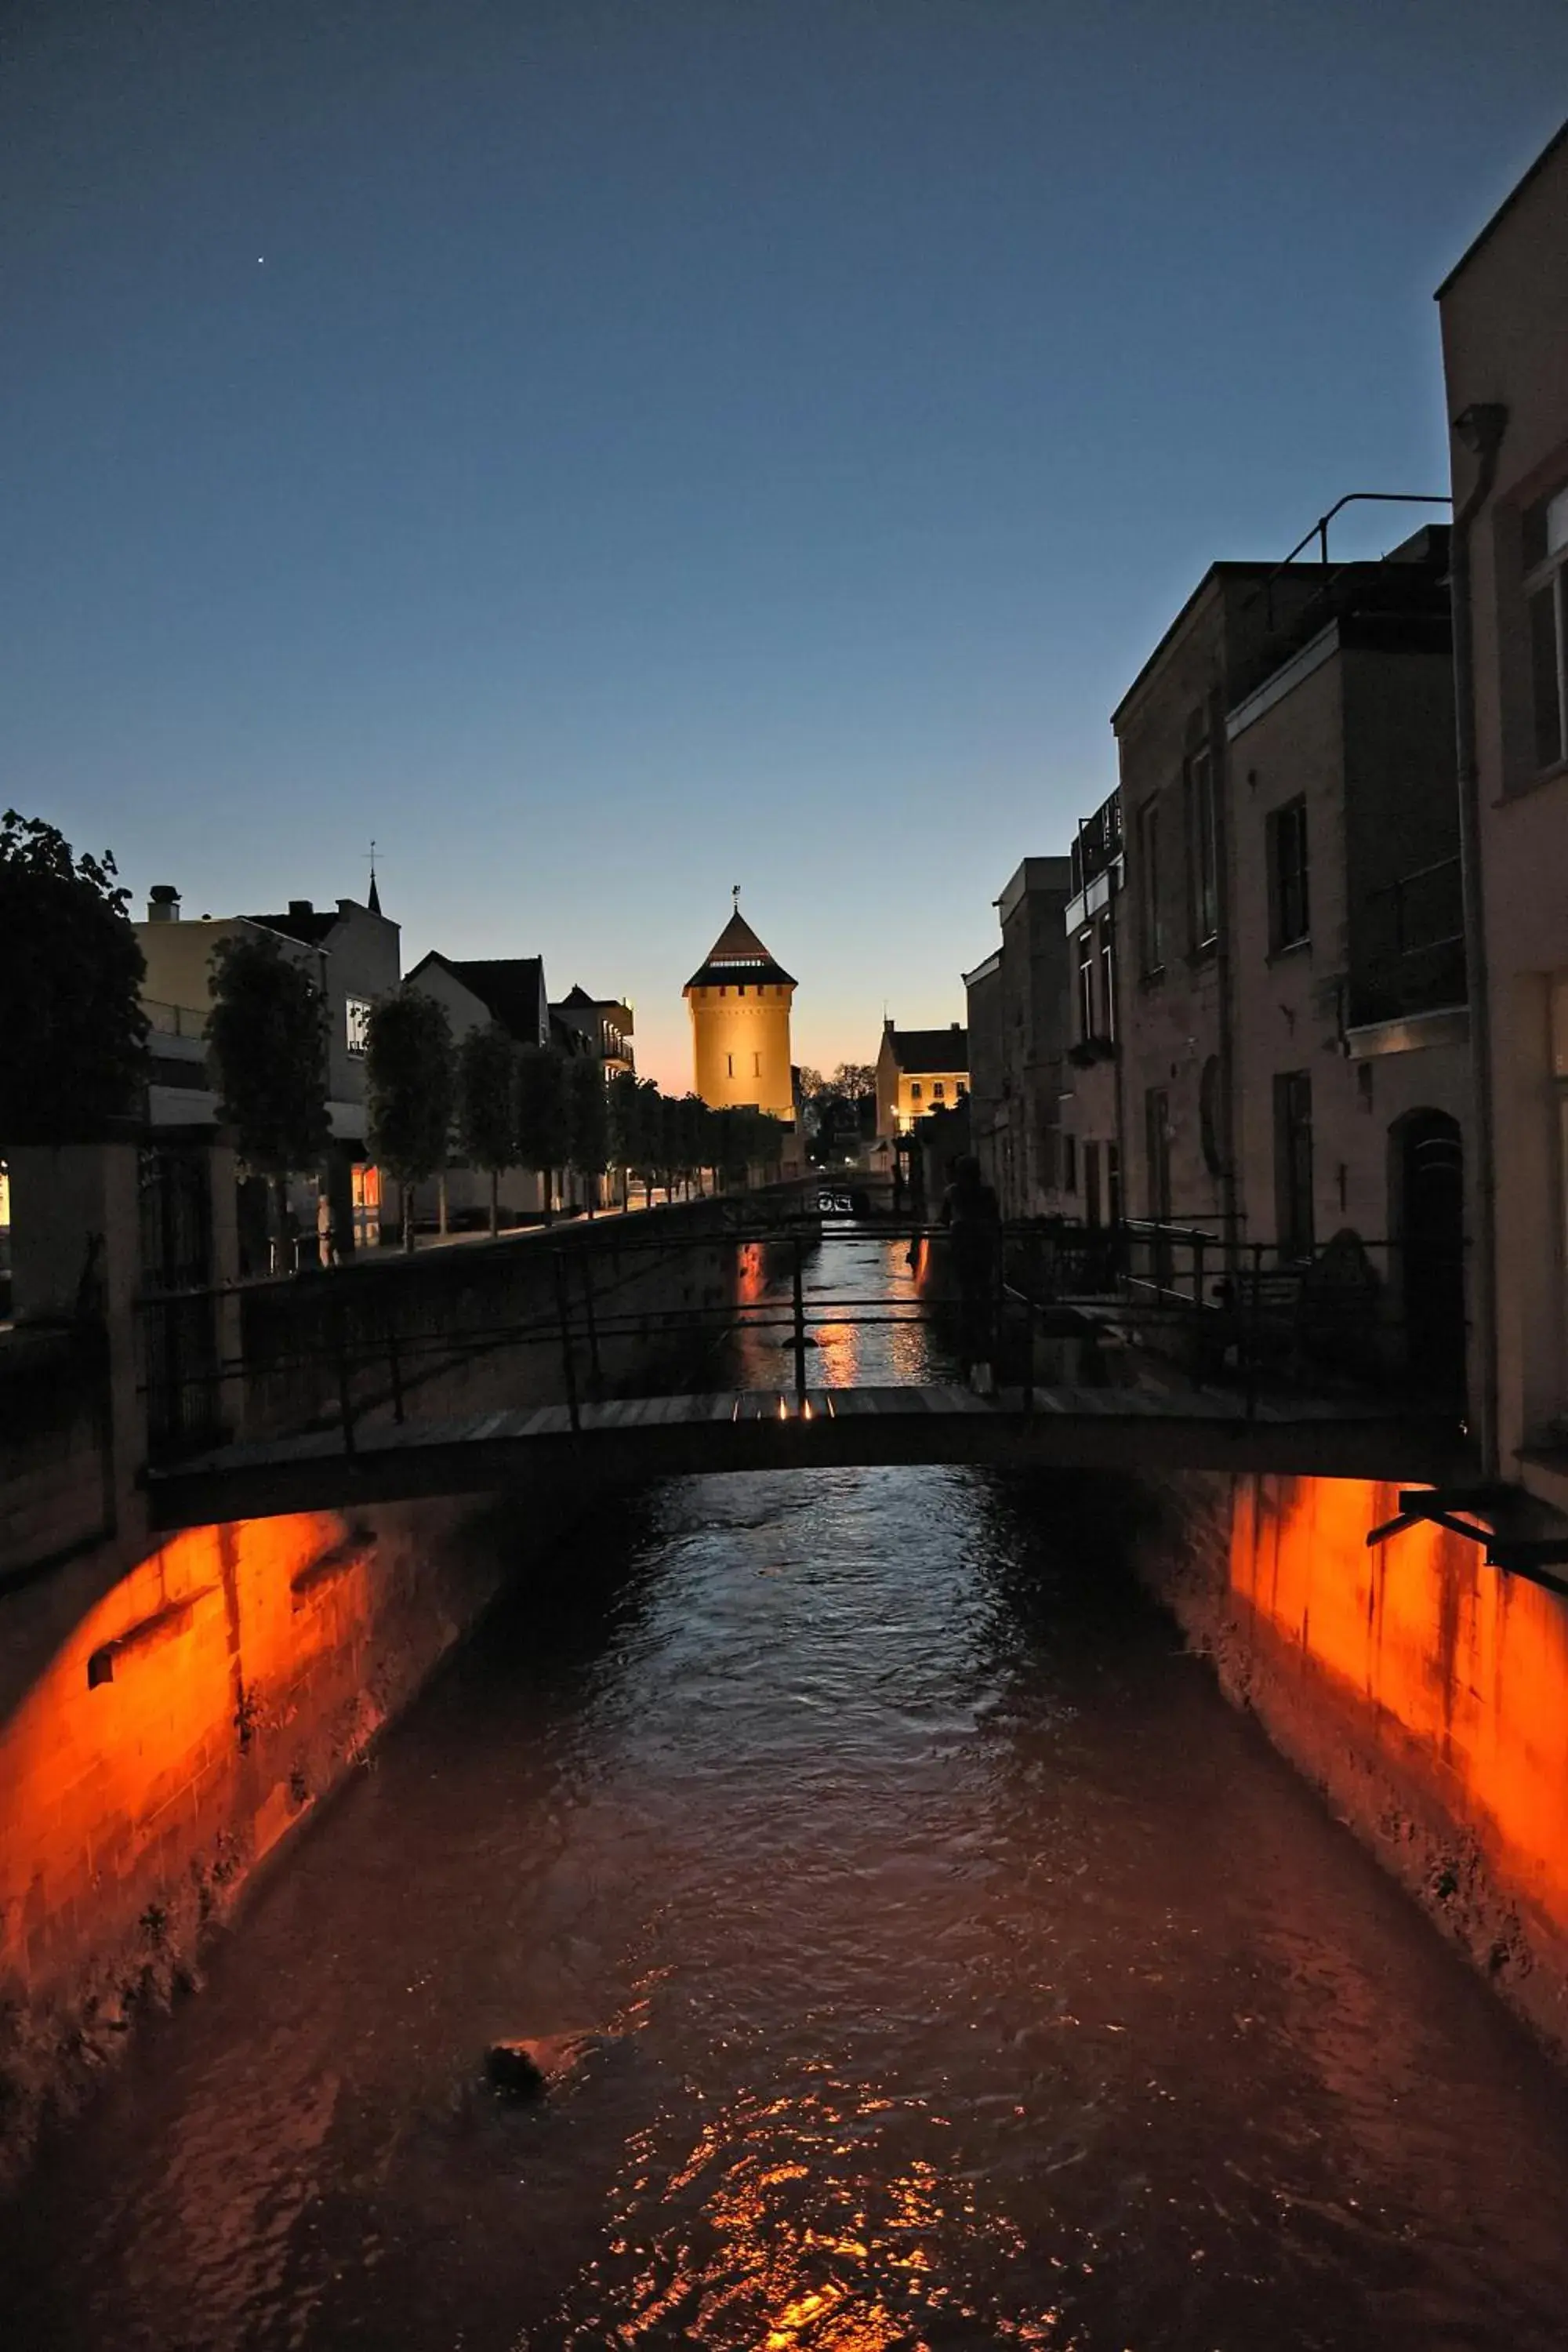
(1504, 313)
(507, 992)
(918, 1071)
(1095, 946)
(603, 1025)
(1349, 1019)
(1018, 1038)
(1176, 1048)
(352, 953)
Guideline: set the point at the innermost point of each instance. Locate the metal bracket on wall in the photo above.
(1533, 1557)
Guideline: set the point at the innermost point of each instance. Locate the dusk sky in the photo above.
(607, 452)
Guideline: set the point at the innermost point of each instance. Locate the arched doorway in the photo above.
(1428, 1196)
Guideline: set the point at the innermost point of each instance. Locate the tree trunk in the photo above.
(441, 1202)
(495, 1203)
(548, 1176)
(405, 1206)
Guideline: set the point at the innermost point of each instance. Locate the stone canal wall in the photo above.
(182, 1722)
(170, 1710)
(1425, 1693)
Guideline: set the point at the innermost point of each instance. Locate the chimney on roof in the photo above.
(162, 903)
(300, 907)
(955, 1028)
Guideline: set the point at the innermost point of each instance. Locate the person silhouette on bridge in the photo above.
(973, 1216)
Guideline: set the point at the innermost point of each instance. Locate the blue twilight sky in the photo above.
(606, 449)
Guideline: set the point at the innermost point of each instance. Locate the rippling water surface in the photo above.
(956, 1969)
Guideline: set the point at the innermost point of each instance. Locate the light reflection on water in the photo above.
(962, 1972)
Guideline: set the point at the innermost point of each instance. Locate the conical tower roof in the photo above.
(737, 956)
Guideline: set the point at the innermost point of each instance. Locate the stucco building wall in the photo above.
(1173, 990)
(1365, 739)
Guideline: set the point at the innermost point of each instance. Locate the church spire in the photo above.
(374, 901)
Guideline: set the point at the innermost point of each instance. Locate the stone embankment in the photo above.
(1425, 1693)
(171, 1710)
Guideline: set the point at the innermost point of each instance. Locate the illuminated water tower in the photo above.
(740, 1000)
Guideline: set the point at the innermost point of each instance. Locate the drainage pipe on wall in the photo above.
(1481, 427)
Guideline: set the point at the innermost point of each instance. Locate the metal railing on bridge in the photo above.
(1064, 1304)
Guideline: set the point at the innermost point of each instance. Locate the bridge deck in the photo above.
(768, 1429)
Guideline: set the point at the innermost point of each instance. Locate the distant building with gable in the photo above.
(919, 1071)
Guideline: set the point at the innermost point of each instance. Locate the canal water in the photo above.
(937, 1962)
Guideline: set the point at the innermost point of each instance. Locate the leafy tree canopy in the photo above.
(487, 1099)
(543, 1137)
(408, 1084)
(588, 1117)
(268, 1039)
(72, 1031)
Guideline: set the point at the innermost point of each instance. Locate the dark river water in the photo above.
(960, 1971)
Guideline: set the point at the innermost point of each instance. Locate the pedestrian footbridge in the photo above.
(761, 1429)
(1105, 1362)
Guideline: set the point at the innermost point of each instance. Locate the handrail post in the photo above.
(1198, 1269)
(798, 1285)
(564, 1316)
(345, 1396)
(589, 1315)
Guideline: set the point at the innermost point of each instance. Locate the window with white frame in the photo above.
(1085, 1028)
(1546, 592)
(1152, 912)
(357, 1024)
(1205, 849)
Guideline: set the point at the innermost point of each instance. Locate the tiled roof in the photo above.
(309, 925)
(737, 955)
(508, 987)
(915, 1051)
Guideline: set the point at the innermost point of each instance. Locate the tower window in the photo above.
(756, 1065)
(915, 1092)
(742, 989)
(939, 1090)
(729, 1065)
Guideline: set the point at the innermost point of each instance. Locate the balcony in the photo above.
(1098, 845)
(1409, 957)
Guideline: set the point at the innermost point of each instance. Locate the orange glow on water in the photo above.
(810, 2239)
(1465, 1669)
(143, 1740)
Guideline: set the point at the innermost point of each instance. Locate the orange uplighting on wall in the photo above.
(160, 1723)
(1462, 1668)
